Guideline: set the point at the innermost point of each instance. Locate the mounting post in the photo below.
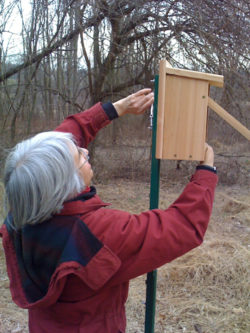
(154, 201)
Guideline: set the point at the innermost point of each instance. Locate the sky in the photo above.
(11, 38)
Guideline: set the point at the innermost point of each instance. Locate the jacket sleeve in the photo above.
(85, 125)
(149, 240)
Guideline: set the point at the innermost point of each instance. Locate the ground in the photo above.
(205, 291)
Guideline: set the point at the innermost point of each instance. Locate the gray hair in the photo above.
(39, 176)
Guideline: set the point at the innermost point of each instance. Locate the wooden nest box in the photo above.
(182, 112)
(183, 99)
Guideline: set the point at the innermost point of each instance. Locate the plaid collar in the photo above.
(83, 203)
(40, 249)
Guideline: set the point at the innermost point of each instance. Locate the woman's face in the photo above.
(81, 157)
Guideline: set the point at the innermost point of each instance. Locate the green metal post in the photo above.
(154, 200)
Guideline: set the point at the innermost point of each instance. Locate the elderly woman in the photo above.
(69, 258)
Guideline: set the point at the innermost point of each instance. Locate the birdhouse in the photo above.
(183, 97)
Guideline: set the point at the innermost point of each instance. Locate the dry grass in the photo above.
(205, 291)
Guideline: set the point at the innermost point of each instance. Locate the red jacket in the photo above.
(91, 299)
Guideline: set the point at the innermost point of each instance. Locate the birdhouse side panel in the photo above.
(185, 118)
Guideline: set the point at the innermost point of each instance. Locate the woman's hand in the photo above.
(209, 156)
(136, 103)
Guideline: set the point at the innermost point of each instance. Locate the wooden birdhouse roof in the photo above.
(212, 79)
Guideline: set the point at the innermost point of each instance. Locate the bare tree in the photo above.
(78, 53)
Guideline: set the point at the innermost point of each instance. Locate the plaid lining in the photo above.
(41, 248)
